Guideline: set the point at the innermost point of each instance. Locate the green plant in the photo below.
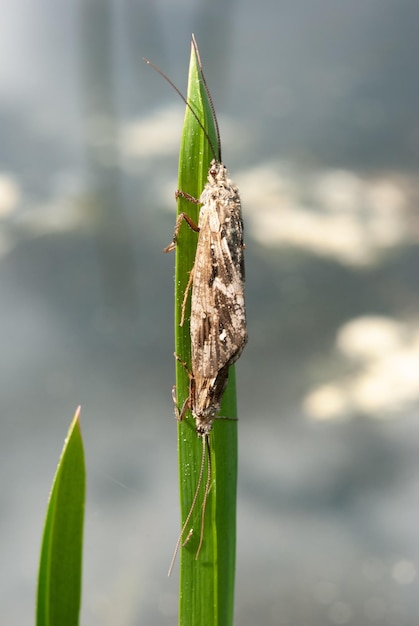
(60, 568)
(206, 584)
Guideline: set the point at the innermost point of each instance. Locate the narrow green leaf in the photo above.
(59, 578)
(206, 584)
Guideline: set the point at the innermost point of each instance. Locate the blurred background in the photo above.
(319, 116)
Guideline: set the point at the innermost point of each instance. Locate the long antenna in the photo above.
(206, 492)
(216, 154)
(209, 96)
(195, 498)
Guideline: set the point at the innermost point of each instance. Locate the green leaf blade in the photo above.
(60, 569)
(206, 584)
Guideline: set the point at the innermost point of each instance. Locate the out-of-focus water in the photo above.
(318, 114)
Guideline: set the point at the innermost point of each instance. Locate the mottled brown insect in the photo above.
(218, 317)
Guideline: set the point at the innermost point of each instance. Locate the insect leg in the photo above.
(185, 295)
(180, 218)
(179, 415)
(186, 196)
(188, 404)
(188, 371)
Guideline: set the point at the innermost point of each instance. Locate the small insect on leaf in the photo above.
(218, 330)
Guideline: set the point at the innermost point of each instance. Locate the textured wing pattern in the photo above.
(218, 317)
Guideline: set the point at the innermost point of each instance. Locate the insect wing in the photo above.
(218, 317)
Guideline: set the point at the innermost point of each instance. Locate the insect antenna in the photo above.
(205, 447)
(205, 441)
(216, 156)
(210, 100)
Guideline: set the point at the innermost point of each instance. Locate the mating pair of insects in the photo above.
(218, 319)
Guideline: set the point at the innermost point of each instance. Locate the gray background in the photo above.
(318, 107)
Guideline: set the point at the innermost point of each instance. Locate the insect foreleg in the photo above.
(180, 218)
(186, 196)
